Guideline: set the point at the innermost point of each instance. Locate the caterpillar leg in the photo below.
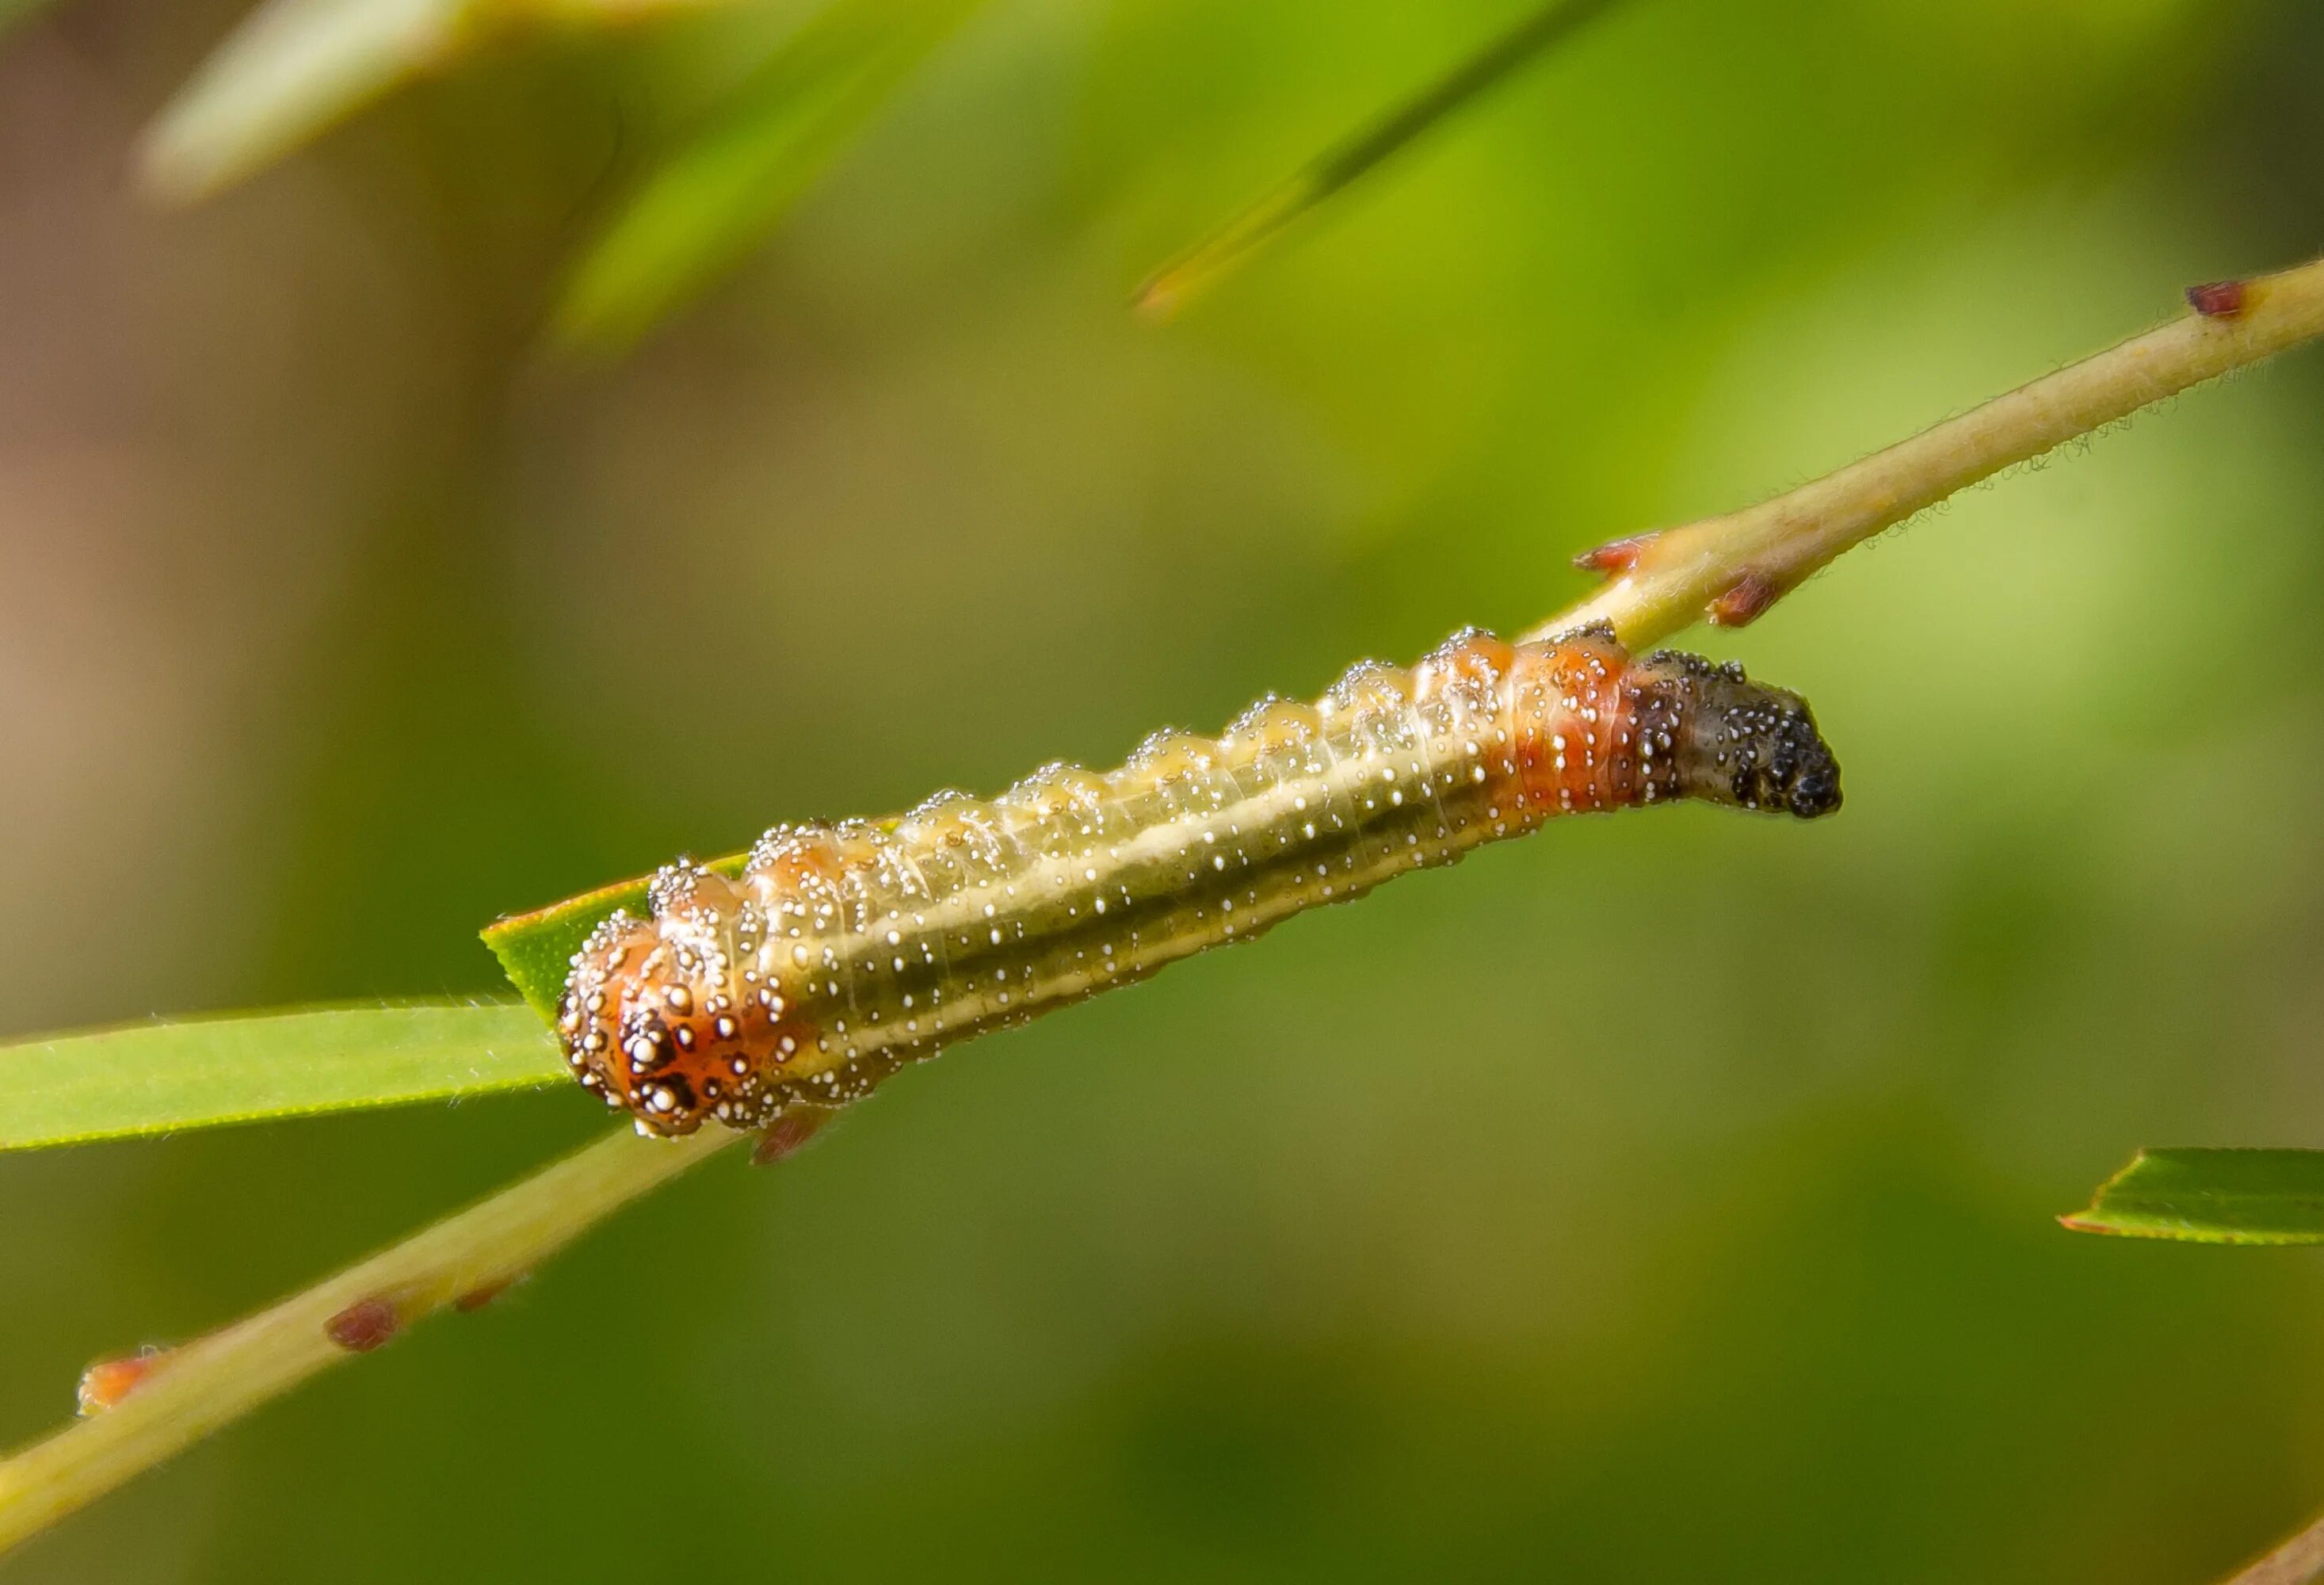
(790, 1130)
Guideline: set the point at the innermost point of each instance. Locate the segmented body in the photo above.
(844, 952)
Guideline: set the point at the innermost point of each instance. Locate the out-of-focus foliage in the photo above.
(154, 1078)
(728, 185)
(1667, 1196)
(295, 67)
(1207, 262)
(2213, 1197)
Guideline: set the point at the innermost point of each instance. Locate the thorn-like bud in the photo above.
(1745, 600)
(2219, 300)
(1616, 557)
(108, 1381)
(365, 1324)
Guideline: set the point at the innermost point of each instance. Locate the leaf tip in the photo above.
(1161, 297)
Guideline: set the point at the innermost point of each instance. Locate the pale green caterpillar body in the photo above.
(844, 952)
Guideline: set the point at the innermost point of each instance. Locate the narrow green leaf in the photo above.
(295, 68)
(1170, 288)
(536, 949)
(152, 1078)
(722, 194)
(2212, 1197)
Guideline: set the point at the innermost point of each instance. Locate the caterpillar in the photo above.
(843, 953)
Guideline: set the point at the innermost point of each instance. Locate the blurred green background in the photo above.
(1664, 1197)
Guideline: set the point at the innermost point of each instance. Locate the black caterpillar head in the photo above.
(1747, 745)
(1782, 762)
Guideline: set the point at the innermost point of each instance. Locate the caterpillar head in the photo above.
(1747, 745)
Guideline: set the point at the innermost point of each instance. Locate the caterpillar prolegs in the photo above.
(843, 953)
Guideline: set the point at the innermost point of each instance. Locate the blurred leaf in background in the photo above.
(295, 67)
(1207, 262)
(720, 193)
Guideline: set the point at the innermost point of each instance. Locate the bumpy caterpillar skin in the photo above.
(846, 952)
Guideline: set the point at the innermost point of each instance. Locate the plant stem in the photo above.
(194, 1389)
(1661, 583)
(1731, 568)
(2298, 1562)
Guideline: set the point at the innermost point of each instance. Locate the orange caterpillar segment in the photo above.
(1575, 698)
(843, 953)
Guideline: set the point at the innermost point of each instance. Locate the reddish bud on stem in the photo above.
(1616, 557)
(2219, 300)
(108, 1381)
(1745, 600)
(365, 1324)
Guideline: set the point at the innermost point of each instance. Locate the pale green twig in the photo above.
(191, 1392)
(2298, 1562)
(1731, 568)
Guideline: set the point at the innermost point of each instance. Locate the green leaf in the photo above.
(152, 1078)
(536, 949)
(722, 194)
(1171, 287)
(2212, 1197)
(295, 68)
